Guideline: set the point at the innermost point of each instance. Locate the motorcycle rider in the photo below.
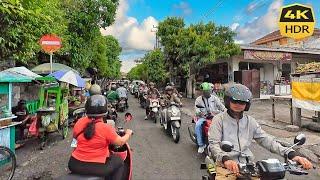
(144, 90)
(95, 89)
(122, 92)
(232, 125)
(112, 94)
(91, 155)
(169, 97)
(212, 105)
(174, 89)
(151, 92)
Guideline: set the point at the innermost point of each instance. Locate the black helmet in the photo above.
(95, 89)
(239, 93)
(96, 105)
(168, 88)
(113, 87)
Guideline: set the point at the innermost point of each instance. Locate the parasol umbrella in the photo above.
(69, 77)
(45, 68)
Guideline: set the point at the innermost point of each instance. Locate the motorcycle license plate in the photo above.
(175, 118)
(155, 109)
(74, 143)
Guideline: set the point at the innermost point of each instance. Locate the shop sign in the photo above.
(267, 55)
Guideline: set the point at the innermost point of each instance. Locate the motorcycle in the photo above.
(143, 100)
(205, 127)
(122, 104)
(124, 152)
(136, 91)
(112, 111)
(154, 107)
(270, 169)
(171, 121)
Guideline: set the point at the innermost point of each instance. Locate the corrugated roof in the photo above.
(281, 49)
(275, 35)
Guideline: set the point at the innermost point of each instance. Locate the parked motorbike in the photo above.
(124, 152)
(122, 106)
(171, 121)
(154, 107)
(205, 127)
(265, 169)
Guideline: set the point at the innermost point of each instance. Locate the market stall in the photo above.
(7, 126)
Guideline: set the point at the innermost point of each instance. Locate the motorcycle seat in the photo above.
(79, 177)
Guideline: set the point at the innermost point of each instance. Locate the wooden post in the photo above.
(291, 112)
(297, 116)
(273, 111)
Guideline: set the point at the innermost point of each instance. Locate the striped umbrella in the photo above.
(69, 77)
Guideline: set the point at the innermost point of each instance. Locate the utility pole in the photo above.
(155, 30)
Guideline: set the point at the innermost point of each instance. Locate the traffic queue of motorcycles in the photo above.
(168, 114)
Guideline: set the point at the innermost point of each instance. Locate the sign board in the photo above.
(50, 43)
(296, 21)
(267, 55)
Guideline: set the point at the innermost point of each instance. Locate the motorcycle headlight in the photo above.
(175, 112)
(154, 104)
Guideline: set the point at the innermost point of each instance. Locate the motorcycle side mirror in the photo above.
(199, 106)
(128, 117)
(300, 139)
(226, 146)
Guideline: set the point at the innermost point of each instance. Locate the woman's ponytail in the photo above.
(89, 130)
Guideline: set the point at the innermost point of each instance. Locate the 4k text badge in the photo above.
(296, 21)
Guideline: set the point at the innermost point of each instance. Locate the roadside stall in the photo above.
(7, 126)
(52, 114)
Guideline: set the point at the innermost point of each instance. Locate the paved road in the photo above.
(155, 154)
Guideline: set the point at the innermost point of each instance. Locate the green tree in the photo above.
(155, 67)
(22, 23)
(138, 72)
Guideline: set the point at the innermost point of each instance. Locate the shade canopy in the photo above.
(18, 74)
(45, 68)
(69, 77)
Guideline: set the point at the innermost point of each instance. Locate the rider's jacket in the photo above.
(167, 99)
(122, 92)
(112, 96)
(211, 105)
(240, 133)
(153, 91)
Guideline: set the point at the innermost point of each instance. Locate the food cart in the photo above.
(52, 114)
(7, 126)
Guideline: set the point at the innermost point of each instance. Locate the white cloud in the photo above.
(131, 34)
(260, 26)
(184, 7)
(234, 26)
(127, 65)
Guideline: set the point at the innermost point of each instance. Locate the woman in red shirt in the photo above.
(92, 156)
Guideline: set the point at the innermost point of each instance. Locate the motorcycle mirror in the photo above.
(300, 139)
(199, 106)
(226, 146)
(127, 117)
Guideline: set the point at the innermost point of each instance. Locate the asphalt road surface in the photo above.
(155, 155)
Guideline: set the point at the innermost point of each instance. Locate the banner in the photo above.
(306, 95)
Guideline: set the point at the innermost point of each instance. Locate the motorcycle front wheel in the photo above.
(175, 134)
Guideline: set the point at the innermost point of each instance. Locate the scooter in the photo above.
(171, 121)
(205, 127)
(143, 100)
(264, 169)
(154, 107)
(124, 152)
(112, 112)
(122, 106)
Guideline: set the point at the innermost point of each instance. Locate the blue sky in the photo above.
(250, 19)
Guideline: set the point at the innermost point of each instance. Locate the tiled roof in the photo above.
(275, 35)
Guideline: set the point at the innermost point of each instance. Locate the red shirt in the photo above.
(97, 148)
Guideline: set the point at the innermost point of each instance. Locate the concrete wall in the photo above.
(269, 72)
